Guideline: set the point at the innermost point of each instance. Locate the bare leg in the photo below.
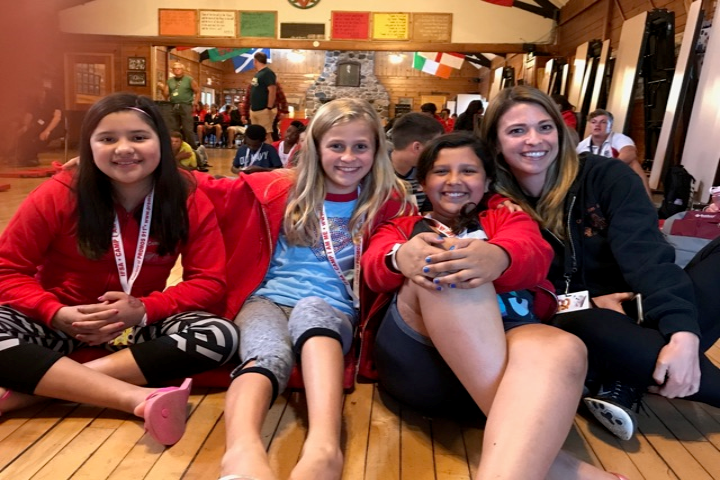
(69, 380)
(543, 364)
(322, 368)
(246, 405)
(471, 343)
(12, 400)
(120, 365)
(547, 366)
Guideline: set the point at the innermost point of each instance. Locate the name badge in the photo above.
(573, 301)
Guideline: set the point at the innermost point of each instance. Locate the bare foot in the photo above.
(318, 463)
(248, 460)
(11, 400)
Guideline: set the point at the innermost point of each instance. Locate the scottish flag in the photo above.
(244, 62)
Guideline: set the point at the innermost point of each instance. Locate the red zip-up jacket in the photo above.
(250, 211)
(42, 270)
(516, 233)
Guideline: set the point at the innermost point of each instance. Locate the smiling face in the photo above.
(347, 153)
(127, 150)
(528, 140)
(456, 178)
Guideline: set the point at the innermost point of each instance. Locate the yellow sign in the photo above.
(391, 26)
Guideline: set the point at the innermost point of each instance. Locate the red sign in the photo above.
(350, 26)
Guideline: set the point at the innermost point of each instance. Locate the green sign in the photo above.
(258, 24)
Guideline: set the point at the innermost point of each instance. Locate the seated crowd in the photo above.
(449, 252)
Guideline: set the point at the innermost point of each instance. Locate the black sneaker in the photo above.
(613, 407)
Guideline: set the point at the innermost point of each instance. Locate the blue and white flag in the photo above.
(244, 62)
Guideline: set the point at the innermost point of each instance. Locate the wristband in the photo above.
(390, 258)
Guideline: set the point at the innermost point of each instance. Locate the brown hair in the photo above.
(550, 208)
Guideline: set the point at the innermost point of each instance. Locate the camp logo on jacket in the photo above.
(595, 221)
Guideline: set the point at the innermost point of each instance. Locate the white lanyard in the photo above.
(143, 239)
(255, 157)
(353, 291)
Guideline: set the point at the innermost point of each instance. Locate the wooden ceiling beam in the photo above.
(497, 48)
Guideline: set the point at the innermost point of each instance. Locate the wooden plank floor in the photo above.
(382, 440)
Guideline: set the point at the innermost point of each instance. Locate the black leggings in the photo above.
(177, 347)
(619, 349)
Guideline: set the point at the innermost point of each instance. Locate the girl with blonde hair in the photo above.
(294, 239)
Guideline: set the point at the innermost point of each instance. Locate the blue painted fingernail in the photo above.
(426, 269)
(438, 288)
(436, 281)
(427, 259)
(452, 285)
(452, 248)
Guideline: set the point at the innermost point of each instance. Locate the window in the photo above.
(88, 79)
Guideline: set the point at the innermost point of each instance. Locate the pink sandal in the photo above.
(4, 397)
(166, 413)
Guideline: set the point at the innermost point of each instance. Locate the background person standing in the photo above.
(182, 91)
(263, 90)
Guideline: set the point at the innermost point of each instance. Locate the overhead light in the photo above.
(296, 56)
(396, 58)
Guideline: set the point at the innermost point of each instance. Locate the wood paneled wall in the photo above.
(584, 20)
(401, 80)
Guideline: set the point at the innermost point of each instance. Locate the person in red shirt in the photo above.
(84, 262)
(465, 295)
(447, 121)
(211, 125)
(431, 109)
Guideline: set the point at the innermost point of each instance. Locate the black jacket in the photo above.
(615, 245)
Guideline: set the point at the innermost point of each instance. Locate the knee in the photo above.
(556, 350)
(570, 353)
(313, 316)
(218, 335)
(268, 355)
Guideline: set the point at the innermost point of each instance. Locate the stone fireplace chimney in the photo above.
(341, 70)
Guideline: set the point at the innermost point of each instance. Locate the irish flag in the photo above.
(437, 63)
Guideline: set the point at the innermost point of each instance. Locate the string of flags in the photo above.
(440, 64)
(242, 58)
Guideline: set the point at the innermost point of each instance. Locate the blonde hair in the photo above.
(306, 197)
(550, 209)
